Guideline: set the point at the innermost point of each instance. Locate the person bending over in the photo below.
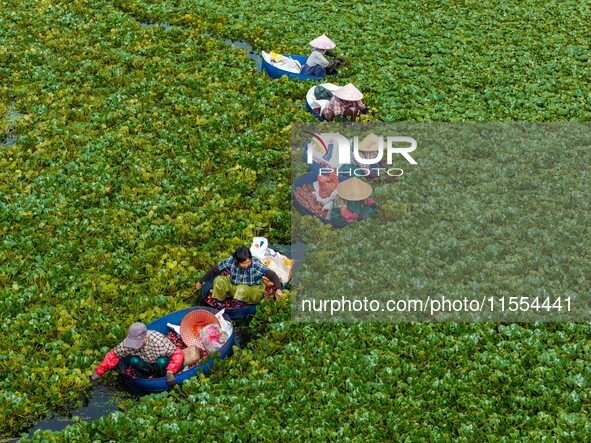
(317, 64)
(150, 352)
(345, 102)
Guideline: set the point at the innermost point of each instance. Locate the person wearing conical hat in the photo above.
(317, 64)
(368, 149)
(354, 190)
(345, 102)
(353, 201)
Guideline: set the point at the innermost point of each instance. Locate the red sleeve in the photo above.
(176, 361)
(109, 362)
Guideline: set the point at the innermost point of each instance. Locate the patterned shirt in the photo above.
(338, 105)
(251, 276)
(156, 346)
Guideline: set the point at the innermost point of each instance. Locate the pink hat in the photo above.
(349, 93)
(323, 42)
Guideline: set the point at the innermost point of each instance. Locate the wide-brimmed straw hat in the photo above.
(323, 42)
(192, 323)
(349, 93)
(354, 189)
(370, 143)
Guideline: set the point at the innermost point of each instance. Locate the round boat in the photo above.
(276, 72)
(143, 386)
(236, 313)
(308, 179)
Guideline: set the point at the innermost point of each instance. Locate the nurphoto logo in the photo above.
(333, 150)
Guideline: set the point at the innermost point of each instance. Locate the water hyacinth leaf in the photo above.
(134, 123)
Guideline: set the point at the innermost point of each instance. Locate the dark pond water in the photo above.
(9, 138)
(103, 400)
(253, 55)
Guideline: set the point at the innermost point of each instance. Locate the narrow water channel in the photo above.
(103, 400)
(9, 139)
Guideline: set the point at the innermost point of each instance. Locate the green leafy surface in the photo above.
(490, 210)
(146, 153)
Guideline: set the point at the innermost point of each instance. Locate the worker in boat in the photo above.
(150, 352)
(345, 102)
(317, 64)
(245, 282)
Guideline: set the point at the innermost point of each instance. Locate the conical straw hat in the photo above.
(323, 42)
(349, 93)
(370, 143)
(354, 189)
